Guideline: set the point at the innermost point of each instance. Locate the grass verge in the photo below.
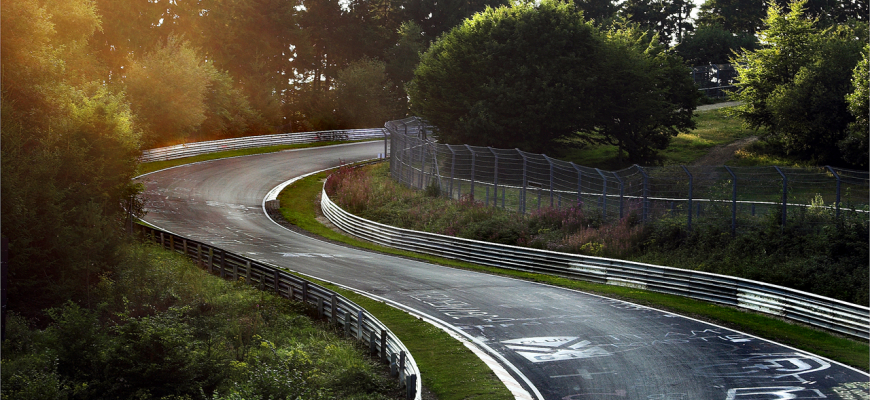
(714, 128)
(850, 352)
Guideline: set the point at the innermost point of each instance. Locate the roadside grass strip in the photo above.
(299, 206)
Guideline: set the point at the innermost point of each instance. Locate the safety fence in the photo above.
(355, 320)
(715, 80)
(197, 148)
(732, 197)
(818, 311)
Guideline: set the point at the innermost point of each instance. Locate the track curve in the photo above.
(557, 343)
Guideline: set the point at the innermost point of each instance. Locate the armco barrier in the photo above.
(197, 148)
(355, 320)
(835, 315)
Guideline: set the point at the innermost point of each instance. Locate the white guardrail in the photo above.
(355, 320)
(819, 311)
(197, 148)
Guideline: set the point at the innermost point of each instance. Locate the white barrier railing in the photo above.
(819, 311)
(211, 146)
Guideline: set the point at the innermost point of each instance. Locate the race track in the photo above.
(555, 343)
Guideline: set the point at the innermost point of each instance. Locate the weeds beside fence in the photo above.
(698, 195)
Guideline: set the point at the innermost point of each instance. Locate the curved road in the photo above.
(553, 343)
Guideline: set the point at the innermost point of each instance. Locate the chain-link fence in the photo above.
(693, 195)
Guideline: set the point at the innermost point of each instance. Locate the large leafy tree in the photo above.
(539, 77)
(796, 84)
(669, 19)
(69, 151)
(855, 145)
(712, 44)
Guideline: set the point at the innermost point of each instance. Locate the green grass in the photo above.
(145, 168)
(714, 128)
(847, 351)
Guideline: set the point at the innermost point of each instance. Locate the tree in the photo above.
(735, 16)
(796, 85)
(69, 152)
(711, 44)
(670, 19)
(855, 145)
(540, 77)
(365, 96)
(167, 89)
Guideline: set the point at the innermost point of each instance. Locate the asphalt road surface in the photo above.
(545, 342)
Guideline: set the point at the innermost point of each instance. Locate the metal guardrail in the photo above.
(355, 320)
(197, 148)
(819, 311)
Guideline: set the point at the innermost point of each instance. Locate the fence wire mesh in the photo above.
(730, 197)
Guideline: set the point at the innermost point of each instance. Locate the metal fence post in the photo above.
(551, 178)
(689, 221)
(473, 162)
(603, 195)
(422, 163)
(733, 200)
(784, 194)
(495, 180)
(522, 204)
(645, 205)
(837, 202)
(621, 193)
(579, 185)
(452, 169)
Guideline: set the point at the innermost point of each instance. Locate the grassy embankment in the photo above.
(845, 350)
(160, 327)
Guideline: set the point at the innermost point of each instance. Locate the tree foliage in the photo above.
(538, 77)
(669, 19)
(712, 44)
(796, 84)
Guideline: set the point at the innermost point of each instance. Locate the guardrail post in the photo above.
(333, 304)
(495, 180)
(579, 185)
(836, 175)
(645, 205)
(394, 365)
(402, 365)
(603, 195)
(691, 185)
(223, 265)
(320, 307)
(277, 278)
(172, 243)
(199, 254)
(235, 271)
(784, 194)
(522, 205)
(248, 272)
(184, 246)
(373, 349)
(383, 345)
(359, 320)
(411, 385)
(733, 200)
(347, 319)
(304, 291)
(211, 260)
